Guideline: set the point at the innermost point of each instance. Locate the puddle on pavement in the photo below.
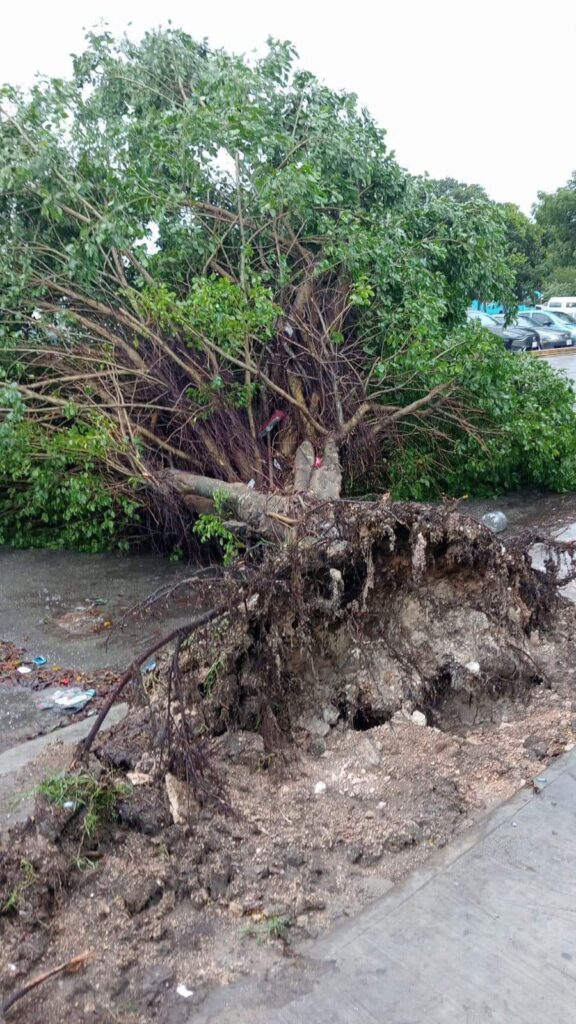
(57, 604)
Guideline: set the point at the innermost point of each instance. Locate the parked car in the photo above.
(516, 339)
(546, 318)
(548, 337)
(566, 318)
(566, 302)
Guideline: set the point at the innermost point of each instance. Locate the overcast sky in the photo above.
(479, 90)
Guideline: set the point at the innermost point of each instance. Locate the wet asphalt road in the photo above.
(38, 588)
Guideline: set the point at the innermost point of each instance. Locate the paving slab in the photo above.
(484, 933)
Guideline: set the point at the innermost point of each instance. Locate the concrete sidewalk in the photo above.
(484, 934)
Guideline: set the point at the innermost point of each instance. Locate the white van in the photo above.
(563, 303)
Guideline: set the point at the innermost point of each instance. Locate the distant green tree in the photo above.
(523, 240)
(555, 214)
(560, 281)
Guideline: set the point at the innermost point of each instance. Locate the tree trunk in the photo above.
(272, 516)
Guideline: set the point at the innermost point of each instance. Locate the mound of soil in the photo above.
(357, 702)
(223, 895)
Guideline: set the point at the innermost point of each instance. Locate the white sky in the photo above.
(479, 90)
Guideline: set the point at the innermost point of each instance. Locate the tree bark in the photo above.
(272, 516)
(266, 515)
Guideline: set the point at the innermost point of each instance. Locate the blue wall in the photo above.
(494, 307)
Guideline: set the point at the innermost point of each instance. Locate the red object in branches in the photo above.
(275, 419)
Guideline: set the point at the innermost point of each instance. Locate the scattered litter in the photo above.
(419, 718)
(473, 667)
(73, 699)
(107, 623)
(24, 669)
(320, 788)
(39, 660)
(69, 805)
(185, 992)
(150, 666)
(98, 601)
(495, 521)
(252, 483)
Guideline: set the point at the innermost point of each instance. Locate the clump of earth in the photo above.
(395, 687)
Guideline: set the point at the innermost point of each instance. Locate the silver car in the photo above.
(549, 337)
(540, 318)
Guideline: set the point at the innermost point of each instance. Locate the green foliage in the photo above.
(13, 900)
(523, 240)
(560, 281)
(213, 307)
(519, 238)
(210, 528)
(556, 215)
(166, 213)
(212, 675)
(95, 798)
(51, 488)
(274, 927)
(528, 427)
(556, 218)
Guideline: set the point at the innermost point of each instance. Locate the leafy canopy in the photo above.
(189, 241)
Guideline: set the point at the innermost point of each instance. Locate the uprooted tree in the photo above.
(220, 291)
(215, 275)
(375, 608)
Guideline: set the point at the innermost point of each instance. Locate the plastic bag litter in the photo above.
(495, 521)
(73, 698)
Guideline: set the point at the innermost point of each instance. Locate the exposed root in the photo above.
(375, 607)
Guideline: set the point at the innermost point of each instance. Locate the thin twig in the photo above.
(70, 965)
(181, 632)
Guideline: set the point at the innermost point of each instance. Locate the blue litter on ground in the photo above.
(39, 660)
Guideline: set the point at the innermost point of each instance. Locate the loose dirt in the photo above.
(231, 894)
(360, 703)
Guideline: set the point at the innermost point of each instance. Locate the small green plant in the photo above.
(212, 675)
(212, 527)
(14, 899)
(273, 927)
(85, 863)
(95, 797)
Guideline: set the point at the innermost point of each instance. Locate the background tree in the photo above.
(522, 238)
(555, 214)
(523, 241)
